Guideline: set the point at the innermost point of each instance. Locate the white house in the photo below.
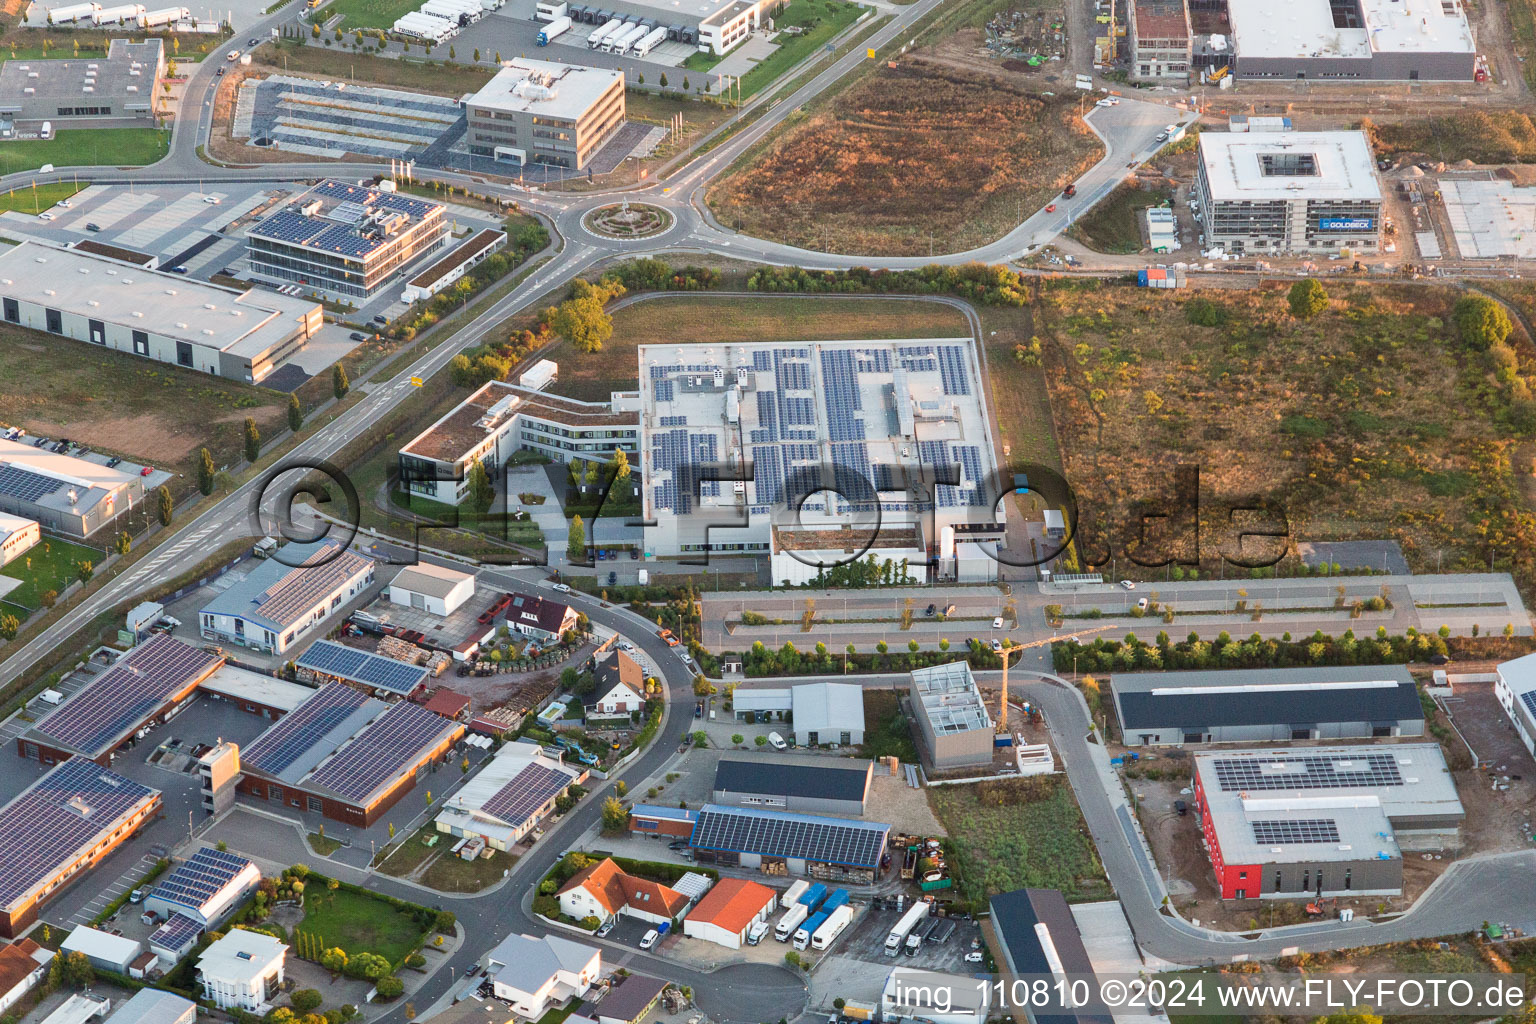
(242, 969)
(539, 617)
(603, 890)
(534, 974)
(431, 588)
(17, 536)
(621, 682)
(23, 964)
(1516, 691)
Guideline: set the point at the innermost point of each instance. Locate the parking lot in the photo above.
(334, 119)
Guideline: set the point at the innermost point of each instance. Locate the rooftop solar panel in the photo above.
(116, 702)
(25, 485)
(1529, 700)
(526, 792)
(823, 840)
(297, 592)
(200, 878)
(1306, 830)
(178, 931)
(1307, 771)
(333, 659)
(284, 743)
(49, 825)
(390, 745)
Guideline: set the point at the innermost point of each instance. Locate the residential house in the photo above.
(603, 890)
(535, 973)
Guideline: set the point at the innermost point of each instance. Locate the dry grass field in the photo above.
(1369, 420)
(925, 155)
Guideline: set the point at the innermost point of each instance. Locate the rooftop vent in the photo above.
(137, 315)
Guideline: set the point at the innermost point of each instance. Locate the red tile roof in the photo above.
(446, 702)
(732, 904)
(614, 889)
(16, 963)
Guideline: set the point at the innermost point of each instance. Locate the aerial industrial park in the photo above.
(816, 511)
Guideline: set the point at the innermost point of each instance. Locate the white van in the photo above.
(777, 742)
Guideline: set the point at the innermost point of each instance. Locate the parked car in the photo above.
(997, 622)
(564, 588)
(146, 471)
(358, 336)
(649, 939)
(973, 958)
(678, 844)
(997, 646)
(634, 553)
(212, 200)
(92, 226)
(607, 926)
(931, 610)
(1128, 584)
(671, 640)
(219, 73)
(45, 215)
(381, 319)
(1050, 208)
(1161, 137)
(698, 710)
(137, 896)
(613, 578)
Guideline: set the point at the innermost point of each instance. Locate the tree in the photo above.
(576, 542)
(252, 440)
(124, 543)
(314, 30)
(389, 987)
(481, 493)
(369, 966)
(339, 383)
(1480, 322)
(1307, 299)
(582, 322)
(451, 54)
(498, 56)
(737, 738)
(306, 1000)
(166, 505)
(621, 468)
(334, 960)
(615, 817)
(205, 471)
(295, 413)
(685, 83)
(84, 570)
(9, 626)
(663, 80)
(445, 921)
(77, 970)
(477, 55)
(48, 598)
(761, 741)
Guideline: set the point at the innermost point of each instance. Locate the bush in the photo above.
(1307, 299)
(305, 1000)
(1204, 313)
(1481, 323)
(389, 987)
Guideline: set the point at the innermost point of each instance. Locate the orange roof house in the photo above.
(602, 890)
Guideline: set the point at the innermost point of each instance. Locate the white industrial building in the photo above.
(854, 449)
(507, 799)
(18, 535)
(1516, 690)
(1390, 40)
(242, 969)
(954, 729)
(1298, 192)
(431, 588)
(729, 910)
(499, 420)
(817, 713)
(279, 601)
(171, 318)
(915, 996)
(105, 951)
(71, 495)
(205, 887)
(714, 26)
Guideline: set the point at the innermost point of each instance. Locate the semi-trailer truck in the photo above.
(620, 42)
(839, 898)
(815, 896)
(554, 30)
(835, 923)
(785, 929)
(915, 913)
(649, 42)
(805, 931)
(794, 892)
(603, 31)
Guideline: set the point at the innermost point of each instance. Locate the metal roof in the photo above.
(777, 834)
(198, 881)
(277, 594)
(1370, 693)
(333, 659)
(776, 775)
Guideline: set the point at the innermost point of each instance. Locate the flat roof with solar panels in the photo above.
(204, 886)
(347, 747)
(136, 689)
(1313, 804)
(781, 835)
(68, 818)
(328, 659)
(902, 427)
(177, 933)
(62, 492)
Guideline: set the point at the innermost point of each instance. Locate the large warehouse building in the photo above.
(66, 494)
(797, 844)
(345, 238)
(61, 825)
(1035, 934)
(143, 687)
(501, 419)
(812, 785)
(715, 26)
(241, 335)
(954, 729)
(1323, 821)
(279, 601)
(845, 443)
(1386, 40)
(816, 713)
(83, 91)
(345, 755)
(1301, 192)
(1516, 691)
(1261, 706)
(536, 112)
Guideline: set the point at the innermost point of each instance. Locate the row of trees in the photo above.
(1132, 653)
(979, 282)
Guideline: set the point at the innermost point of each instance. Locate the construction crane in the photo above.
(1002, 718)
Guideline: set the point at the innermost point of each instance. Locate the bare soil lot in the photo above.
(922, 157)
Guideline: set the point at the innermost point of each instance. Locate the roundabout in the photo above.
(628, 220)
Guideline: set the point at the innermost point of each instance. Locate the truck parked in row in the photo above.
(910, 920)
(836, 922)
(603, 31)
(809, 928)
(553, 30)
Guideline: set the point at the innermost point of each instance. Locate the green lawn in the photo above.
(1114, 225)
(39, 197)
(51, 565)
(822, 19)
(368, 13)
(455, 874)
(119, 147)
(359, 923)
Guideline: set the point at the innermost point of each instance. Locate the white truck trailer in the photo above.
(915, 914)
(828, 932)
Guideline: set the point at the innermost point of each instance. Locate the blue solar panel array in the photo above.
(196, 882)
(874, 360)
(330, 658)
(801, 452)
(1529, 700)
(840, 392)
(284, 743)
(25, 485)
(393, 744)
(702, 448)
(527, 791)
(798, 411)
(663, 391)
(674, 421)
(767, 474)
(952, 370)
(767, 417)
(178, 932)
(914, 350)
(924, 365)
(794, 376)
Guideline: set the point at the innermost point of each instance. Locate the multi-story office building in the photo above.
(168, 317)
(500, 419)
(536, 112)
(1160, 44)
(1303, 192)
(345, 238)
